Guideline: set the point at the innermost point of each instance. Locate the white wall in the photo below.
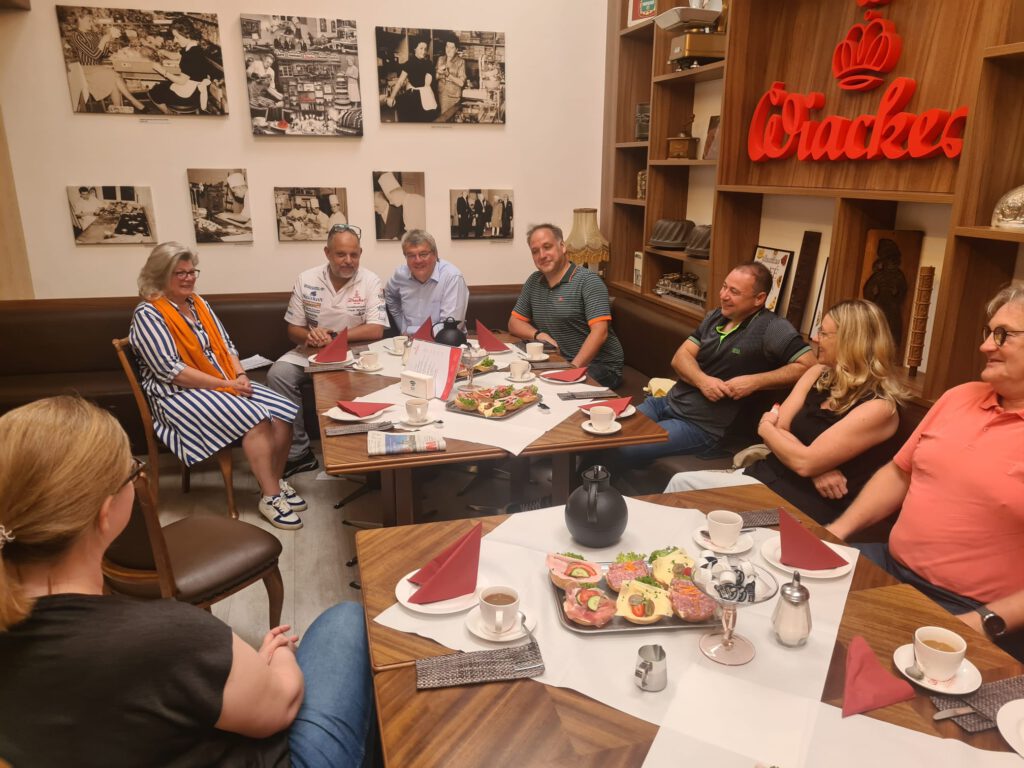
(548, 152)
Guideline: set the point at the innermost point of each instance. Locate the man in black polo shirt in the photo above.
(567, 305)
(737, 350)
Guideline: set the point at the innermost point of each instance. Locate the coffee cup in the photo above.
(499, 609)
(535, 350)
(398, 344)
(939, 652)
(724, 527)
(367, 359)
(519, 370)
(602, 418)
(416, 409)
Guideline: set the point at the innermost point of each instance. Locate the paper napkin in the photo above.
(618, 404)
(488, 341)
(426, 331)
(452, 573)
(569, 375)
(362, 409)
(336, 351)
(802, 549)
(868, 684)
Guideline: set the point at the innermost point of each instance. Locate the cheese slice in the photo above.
(661, 568)
(658, 596)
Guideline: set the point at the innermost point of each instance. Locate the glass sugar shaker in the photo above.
(791, 621)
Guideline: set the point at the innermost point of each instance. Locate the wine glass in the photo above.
(725, 646)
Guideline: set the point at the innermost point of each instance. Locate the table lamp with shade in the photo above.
(585, 244)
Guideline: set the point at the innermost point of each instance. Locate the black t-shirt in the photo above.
(90, 680)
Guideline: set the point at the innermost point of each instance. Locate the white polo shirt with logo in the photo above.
(315, 303)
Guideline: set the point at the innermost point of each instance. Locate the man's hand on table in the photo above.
(317, 337)
(548, 339)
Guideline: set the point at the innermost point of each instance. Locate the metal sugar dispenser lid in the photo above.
(794, 592)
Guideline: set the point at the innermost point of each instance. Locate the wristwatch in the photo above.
(991, 622)
(536, 334)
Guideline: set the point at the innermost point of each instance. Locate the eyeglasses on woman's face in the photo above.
(998, 334)
(138, 467)
(186, 274)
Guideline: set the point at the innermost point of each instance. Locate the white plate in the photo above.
(541, 359)
(476, 626)
(1010, 720)
(556, 381)
(588, 426)
(348, 358)
(358, 367)
(966, 680)
(529, 377)
(423, 423)
(628, 411)
(405, 589)
(743, 543)
(339, 415)
(771, 550)
(390, 351)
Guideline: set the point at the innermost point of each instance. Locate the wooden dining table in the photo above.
(526, 723)
(347, 454)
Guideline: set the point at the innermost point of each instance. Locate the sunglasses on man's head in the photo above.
(345, 228)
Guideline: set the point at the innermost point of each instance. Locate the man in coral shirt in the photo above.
(958, 484)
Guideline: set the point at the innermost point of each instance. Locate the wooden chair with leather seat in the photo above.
(130, 364)
(199, 559)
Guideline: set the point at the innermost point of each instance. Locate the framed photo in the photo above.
(711, 140)
(818, 300)
(640, 11)
(777, 261)
(220, 205)
(481, 214)
(103, 215)
(308, 213)
(398, 203)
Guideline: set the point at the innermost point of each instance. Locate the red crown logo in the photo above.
(868, 51)
(872, 3)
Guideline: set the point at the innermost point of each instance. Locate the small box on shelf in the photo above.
(638, 267)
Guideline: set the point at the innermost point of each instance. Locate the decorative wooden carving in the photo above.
(919, 320)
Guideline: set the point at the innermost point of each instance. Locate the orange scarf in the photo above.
(187, 342)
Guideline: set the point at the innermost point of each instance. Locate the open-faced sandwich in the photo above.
(642, 602)
(527, 394)
(465, 401)
(492, 409)
(569, 569)
(689, 603)
(670, 563)
(586, 604)
(627, 566)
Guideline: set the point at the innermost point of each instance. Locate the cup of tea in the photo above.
(535, 350)
(499, 609)
(416, 409)
(519, 370)
(398, 344)
(602, 418)
(939, 652)
(367, 359)
(724, 527)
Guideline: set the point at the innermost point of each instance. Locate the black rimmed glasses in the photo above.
(138, 467)
(187, 274)
(345, 228)
(998, 334)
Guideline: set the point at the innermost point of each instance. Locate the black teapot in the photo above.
(451, 334)
(595, 513)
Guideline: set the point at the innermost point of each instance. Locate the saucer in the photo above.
(966, 680)
(1010, 720)
(743, 543)
(475, 625)
(588, 426)
(628, 411)
(771, 551)
(542, 359)
(529, 377)
(358, 367)
(390, 351)
(405, 589)
(411, 423)
(339, 415)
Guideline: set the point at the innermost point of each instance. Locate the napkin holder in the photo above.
(417, 384)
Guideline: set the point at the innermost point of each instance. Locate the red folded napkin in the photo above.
(336, 351)
(362, 409)
(488, 341)
(617, 404)
(426, 331)
(868, 684)
(451, 573)
(802, 549)
(570, 375)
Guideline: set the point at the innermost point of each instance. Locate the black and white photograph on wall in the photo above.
(481, 214)
(105, 215)
(308, 213)
(398, 203)
(128, 61)
(302, 75)
(440, 76)
(220, 205)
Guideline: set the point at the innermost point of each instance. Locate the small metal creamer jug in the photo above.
(791, 621)
(651, 673)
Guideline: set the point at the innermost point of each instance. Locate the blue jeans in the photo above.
(683, 437)
(337, 714)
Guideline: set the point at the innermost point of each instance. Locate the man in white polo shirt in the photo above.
(325, 300)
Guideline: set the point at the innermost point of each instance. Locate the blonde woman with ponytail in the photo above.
(836, 427)
(88, 679)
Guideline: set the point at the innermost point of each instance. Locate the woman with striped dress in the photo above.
(199, 394)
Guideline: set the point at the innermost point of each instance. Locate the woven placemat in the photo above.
(461, 668)
(760, 518)
(987, 701)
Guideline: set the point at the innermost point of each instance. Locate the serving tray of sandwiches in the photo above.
(493, 403)
(636, 592)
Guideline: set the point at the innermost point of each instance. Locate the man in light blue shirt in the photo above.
(425, 287)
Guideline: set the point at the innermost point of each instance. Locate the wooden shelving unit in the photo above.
(969, 54)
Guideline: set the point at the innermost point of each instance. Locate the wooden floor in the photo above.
(313, 561)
